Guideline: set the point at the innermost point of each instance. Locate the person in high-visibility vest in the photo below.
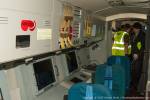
(120, 46)
(138, 46)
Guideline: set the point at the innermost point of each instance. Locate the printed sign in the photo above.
(28, 25)
(44, 34)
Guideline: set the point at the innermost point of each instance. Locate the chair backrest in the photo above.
(119, 85)
(85, 91)
(125, 63)
(114, 80)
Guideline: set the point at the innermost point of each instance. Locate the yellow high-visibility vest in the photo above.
(118, 45)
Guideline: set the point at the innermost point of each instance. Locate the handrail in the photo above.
(14, 63)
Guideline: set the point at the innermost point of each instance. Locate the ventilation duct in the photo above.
(115, 2)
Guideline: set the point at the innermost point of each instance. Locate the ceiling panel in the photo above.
(102, 5)
(117, 10)
(90, 4)
(134, 0)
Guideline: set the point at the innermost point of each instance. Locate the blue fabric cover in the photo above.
(125, 63)
(85, 91)
(118, 79)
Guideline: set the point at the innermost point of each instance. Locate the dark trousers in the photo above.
(136, 72)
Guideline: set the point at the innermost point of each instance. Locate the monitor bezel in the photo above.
(1, 95)
(37, 91)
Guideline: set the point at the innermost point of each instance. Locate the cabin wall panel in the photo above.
(11, 16)
(32, 6)
(99, 55)
(56, 19)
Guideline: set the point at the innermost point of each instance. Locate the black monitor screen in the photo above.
(71, 61)
(44, 73)
(22, 41)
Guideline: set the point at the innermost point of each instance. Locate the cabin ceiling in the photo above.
(111, 7)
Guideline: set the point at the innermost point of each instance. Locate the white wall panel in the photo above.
(12, 12)
(12, 27)
(34, 6)
(56, 19)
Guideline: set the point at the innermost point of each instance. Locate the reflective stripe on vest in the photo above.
(115, 42)
(121, 37)
(118, 48)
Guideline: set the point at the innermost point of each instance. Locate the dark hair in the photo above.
(137, 25)
(120, 28)
(127, 26)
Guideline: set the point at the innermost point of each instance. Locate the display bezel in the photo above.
(38, 92)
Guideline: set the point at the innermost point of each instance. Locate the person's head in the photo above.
(137, 27)
(121, 28)
(127, 27)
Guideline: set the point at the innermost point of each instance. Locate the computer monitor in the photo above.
(44, 74)
(1, 96)
(71, 61)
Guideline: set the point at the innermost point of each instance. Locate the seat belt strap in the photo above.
(118, 61)
(108, 77)
(89, 93)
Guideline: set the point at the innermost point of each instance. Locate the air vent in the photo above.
(115, 2)
(76, 26)
(45, 23)
(3, 20)
(77, 12)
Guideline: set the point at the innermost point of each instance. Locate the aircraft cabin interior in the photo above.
(74, 50)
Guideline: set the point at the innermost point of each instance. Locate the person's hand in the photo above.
(135, 56)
